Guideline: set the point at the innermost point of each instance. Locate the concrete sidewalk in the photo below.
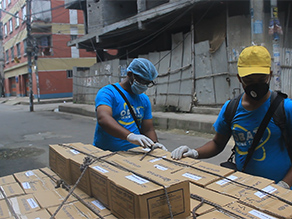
(201, 120)
(162, 120)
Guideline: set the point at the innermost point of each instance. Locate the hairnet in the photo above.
(143, 68)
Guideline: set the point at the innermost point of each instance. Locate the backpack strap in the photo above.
(281, 121)
(231, 109)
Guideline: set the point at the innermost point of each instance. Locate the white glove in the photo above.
(158, 145)
(283, 185)
(141, 140)
(184, 151)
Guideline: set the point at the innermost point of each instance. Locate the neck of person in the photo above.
(250, 104)
(126, 85)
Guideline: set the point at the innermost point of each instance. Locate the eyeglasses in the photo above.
(143, 82)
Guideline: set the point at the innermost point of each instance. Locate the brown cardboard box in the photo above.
(10, 190)
(43, 184)
(244, 211)
(50, 198)
(99, 173)
(75, 163)
(24, 204)
(132, 196)
(4, 209)
(49, 173)
(236, 190)
(270, 204)
(60, 161)
(86, 148)
(97, 206)
(196, 176)
(140, 152)
(7, 179)
(71, 210)
(41, 214)
(29, 175)
(210, 196)
(215, 215)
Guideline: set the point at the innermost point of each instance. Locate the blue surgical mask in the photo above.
(138, 88)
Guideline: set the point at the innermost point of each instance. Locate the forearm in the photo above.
(288, 177)
(208, 150)
(112, 127)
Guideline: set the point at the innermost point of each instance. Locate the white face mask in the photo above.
(138, 88)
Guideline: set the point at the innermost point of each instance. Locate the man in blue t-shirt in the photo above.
(116, 129)
(270, 158)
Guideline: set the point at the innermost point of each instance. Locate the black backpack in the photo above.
(279, 118)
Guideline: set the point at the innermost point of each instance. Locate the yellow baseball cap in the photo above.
(254, 60)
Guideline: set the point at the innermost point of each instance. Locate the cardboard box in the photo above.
(43, 213)
(238, 190)
(97, 207)
(7, 179)
(43, 184)
(210, 196)
(29, 175)
(246, 212)
(10, 190)
(139, 152)
(132, 196)
(215, 215)
(75, 162)
(50, 198)
(49, 173)
(60, 161)
(99, 173)
(270, 204)
(196, 176)
(24, 204)
(70, 210)
(4, 209)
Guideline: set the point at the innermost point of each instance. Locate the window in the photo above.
(24, 46)
(10, 25)
(18, 50)
(23, 13)
(69, 73)
(5, 30)
(12, 53)
(73, 37)
(7, 56)
(4, 4)
(16, 20)
(9, 2)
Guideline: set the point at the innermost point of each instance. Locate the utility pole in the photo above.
(29, 52)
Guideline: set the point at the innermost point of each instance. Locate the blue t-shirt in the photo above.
(270, 158)
(109, 96)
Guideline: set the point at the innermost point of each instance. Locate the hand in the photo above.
(184, 151)
(141, 140)
(283, 185)
(158, 145)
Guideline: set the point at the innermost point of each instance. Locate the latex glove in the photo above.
(141, 140)
(158, 145)
(283, 185)
(184, 151)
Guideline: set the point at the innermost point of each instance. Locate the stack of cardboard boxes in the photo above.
(132, 185)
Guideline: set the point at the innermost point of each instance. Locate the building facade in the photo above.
(194, 44)
(50, 28)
